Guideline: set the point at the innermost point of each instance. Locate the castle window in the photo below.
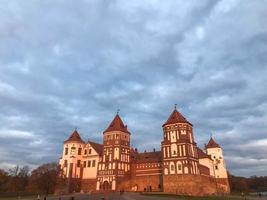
(216, 166)
(179, 167)
(79, 151)
(85, 151)
(93, 163)
(72, 150)
(65, 163)
(78, 163)
(66, 151)
(172, 167)
(84, 164)
(90, 151)
(89, 163)
(174, 152)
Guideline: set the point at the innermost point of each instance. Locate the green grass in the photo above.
(196, 198)
(27, 197)
(21, 198)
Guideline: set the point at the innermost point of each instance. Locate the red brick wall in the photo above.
(204, 170)
(142, 182)
(223, 185)
(195, 185)
(88, 185)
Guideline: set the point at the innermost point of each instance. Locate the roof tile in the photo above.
(75, 136)
(212, 144)
(117, 125)
(176, 117)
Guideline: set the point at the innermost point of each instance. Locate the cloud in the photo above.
(14, 134)
(73, 64)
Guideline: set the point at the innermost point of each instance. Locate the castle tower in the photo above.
(72, 156)
(215, 151)
(220, 173)
(178, 146)
(115, 164)
(71, 161)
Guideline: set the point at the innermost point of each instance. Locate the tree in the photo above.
(23, 178)
(18, 179)
(239, 184)
(44, 178)
(3, 180)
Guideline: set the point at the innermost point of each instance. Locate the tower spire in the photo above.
(117, 125)
(176, 117)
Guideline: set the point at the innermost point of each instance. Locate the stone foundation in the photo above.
(195, 185)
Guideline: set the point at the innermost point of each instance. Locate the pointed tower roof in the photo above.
(176, 117)
(212, 144)
(74, 137)
(117, 125)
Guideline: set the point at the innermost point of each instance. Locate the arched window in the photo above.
(72, 150)
(166, 171)
(80, 151)
(172, 168)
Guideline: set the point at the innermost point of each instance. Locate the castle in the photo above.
(180, 167)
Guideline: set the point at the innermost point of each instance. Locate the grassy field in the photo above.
(30, 197)
(17, 198)
(197, 198)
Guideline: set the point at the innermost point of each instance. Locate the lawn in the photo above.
(17, 198)
(197, 198)
(28, 197)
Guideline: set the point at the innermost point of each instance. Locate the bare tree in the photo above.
(44, 178)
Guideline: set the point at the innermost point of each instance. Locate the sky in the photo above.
(67, 64)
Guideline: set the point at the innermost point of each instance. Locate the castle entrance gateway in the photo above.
(106, 186)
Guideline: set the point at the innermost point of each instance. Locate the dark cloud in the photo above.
(73, 64)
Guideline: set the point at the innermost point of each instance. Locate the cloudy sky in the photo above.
(67, 64)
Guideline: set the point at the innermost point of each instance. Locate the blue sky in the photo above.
(67, 64)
